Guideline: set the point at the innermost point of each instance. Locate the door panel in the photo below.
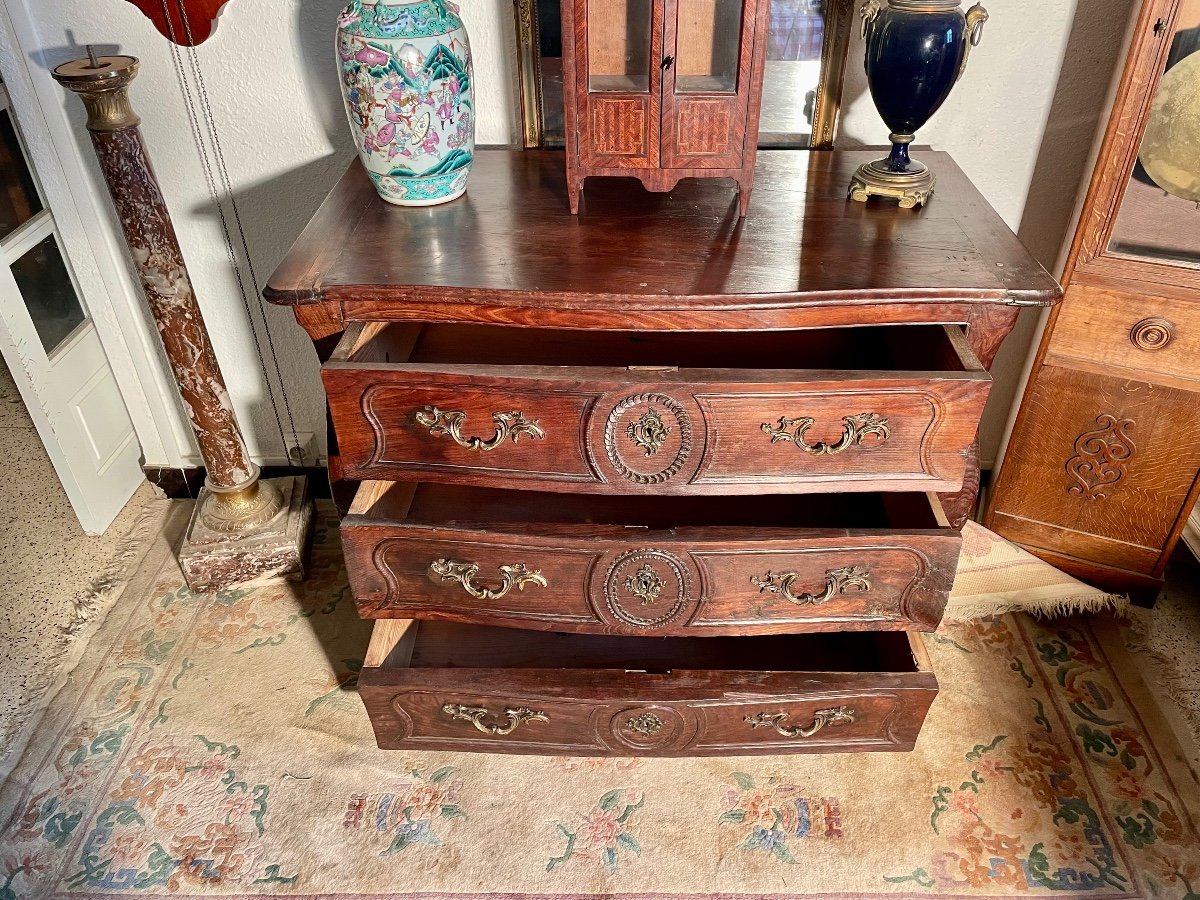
(705, 97)
(619, 127)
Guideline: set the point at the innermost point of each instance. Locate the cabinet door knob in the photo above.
(1152, 334)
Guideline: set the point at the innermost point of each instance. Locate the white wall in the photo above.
(268, 76)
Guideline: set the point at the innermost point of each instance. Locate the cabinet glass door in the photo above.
(1159, 217)
(619, 40)
(707, 39)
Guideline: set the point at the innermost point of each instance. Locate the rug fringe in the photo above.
(968, 609)
(1180, 687)
(89, 606)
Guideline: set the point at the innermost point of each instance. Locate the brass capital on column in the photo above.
(103, 84)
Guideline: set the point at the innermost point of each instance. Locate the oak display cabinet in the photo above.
(662, 90)
(1101, 471)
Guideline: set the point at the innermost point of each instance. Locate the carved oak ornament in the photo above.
(837, 581)
(1101, 457)
(450, 422)
(841, 715)
(475, 715)
(856, 429)
(518, 576)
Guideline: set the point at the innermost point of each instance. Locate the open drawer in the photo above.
(854, 409)
(650, 565)
(442, 685)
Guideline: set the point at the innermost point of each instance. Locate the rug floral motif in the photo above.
(215, 744)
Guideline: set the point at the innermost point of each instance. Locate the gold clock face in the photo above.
(1170, 151)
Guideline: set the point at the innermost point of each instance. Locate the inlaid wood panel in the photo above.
(648, 566)
(458, 687)
(1106, 469)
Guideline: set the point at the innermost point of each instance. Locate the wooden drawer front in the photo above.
(1100, 468)
(688, 580)
(1150, 338)
(616, 430)
(417, 703)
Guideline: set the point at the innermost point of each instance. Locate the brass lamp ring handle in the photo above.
(514, 717)
(517, 576)
(837, 581)
(449, 422)
(842, 715)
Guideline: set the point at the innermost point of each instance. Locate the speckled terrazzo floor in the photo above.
(49, 569)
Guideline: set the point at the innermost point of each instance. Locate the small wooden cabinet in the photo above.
(1101, 470)
(662, 90)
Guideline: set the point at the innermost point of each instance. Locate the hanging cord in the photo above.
(197, 111)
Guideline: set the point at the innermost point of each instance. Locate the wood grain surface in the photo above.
(607, 696)
(653, 566)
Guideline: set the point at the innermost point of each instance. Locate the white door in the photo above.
(51, 347)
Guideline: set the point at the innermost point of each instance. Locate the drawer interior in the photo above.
(940, 348)
(409, 643)
(440, 504)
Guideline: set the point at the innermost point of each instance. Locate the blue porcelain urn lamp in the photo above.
(916, 51)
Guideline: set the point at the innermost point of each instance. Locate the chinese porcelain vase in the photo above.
(409, 89)
(916, 51)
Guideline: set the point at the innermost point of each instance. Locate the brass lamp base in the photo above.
(911, 188)
(218, 558)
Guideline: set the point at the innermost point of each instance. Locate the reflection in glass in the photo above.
(619, 45)
(1159, 216)
(48, 292)
(19, 201)
(707, 41)
(550, 71)
(793, 70)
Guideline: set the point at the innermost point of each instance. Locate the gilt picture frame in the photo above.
(539, 71)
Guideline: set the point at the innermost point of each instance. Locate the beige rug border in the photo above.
(152, 535)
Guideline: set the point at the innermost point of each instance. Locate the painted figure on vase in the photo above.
(408, 83)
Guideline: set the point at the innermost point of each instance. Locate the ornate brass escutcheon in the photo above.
(646, 723)
(476, 714)
(518, 576)
(842, 715)
(645, 584)
(450, 422)
(649, 432)
(855, 429)
(837, 581)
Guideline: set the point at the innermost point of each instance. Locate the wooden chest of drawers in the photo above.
(651, 481)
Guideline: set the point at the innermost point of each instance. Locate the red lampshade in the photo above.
(185, 22)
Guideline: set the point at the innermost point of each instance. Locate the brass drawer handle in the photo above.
(476, 714)
(837, 581)
(450, 422)
(842, 715)
(855, 429)
(515, 576)
(1152, 334)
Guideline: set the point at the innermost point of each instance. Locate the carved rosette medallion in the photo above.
(647, 589)
(1152, 334)
(648, 438)
(1101, 457)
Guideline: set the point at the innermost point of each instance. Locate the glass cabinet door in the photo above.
(1159, 216)
(707, 40)
(619, 40)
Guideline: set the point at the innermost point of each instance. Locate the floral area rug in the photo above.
(215, 745)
